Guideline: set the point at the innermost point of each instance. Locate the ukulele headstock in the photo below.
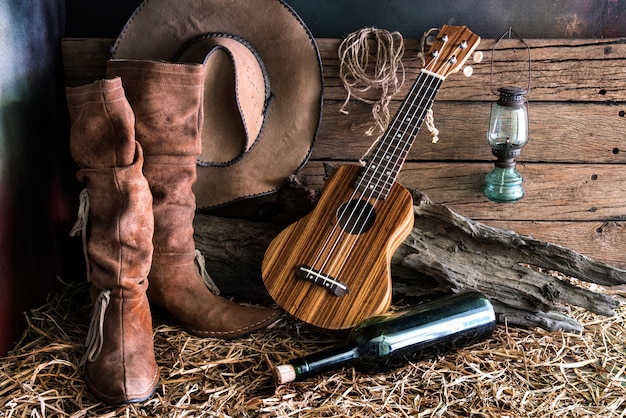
(451, 49)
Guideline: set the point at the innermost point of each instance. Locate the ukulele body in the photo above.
(331, 269)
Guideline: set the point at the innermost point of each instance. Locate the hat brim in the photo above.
(157, 30)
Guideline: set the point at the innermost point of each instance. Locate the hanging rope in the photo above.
(371, 59)
(367, 65)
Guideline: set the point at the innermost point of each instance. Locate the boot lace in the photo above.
(80, 227)
(208, 281)
(95, 335)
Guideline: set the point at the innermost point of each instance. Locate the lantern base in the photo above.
(504, 185)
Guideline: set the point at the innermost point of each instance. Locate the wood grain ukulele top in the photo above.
(331, 269)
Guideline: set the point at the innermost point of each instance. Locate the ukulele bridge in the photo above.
(334, 286)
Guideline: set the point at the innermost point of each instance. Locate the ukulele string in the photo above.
(336, 227)
(406, 142)
(399, 148)
(373, 190)
(342, 214)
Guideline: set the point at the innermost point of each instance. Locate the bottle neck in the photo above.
(326, 360)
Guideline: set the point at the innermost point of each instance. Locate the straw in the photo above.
(516, 373)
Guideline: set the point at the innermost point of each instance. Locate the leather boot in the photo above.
(117, 225)
(167, 99)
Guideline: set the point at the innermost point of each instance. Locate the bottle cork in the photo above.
(284, 373)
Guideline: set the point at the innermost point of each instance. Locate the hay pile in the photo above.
(517, 373)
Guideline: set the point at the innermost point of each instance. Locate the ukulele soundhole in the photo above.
(356, 216)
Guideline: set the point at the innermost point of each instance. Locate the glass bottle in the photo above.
(386, 341)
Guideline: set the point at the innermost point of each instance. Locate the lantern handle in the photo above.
(493, 49)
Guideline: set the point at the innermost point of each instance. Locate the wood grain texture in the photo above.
(578, 70)
(555, 192)
(559, 132)
(582, 70)
(85, 59)
(361, 261)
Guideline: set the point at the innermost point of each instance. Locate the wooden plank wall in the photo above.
(574, 165)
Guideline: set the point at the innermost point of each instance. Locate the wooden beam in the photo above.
(579, 206)
(603, 240)
(554, 192)
(559, 132)
(562, 69)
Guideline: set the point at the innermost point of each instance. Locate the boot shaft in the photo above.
(102, 142)
(117, 226)
(102, 131)
(167, 101)
(121, 226)
(168, 106)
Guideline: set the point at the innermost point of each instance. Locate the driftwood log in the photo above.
(530, 282)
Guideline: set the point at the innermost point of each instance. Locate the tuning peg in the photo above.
(478, 56)
(468, 71)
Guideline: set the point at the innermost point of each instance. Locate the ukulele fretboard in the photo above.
(387, 160)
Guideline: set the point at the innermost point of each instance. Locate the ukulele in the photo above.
(331, 269)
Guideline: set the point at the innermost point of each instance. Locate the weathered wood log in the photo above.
(531, 282)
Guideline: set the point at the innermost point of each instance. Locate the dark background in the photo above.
(336, 18)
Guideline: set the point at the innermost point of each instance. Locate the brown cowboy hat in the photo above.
(263, 87)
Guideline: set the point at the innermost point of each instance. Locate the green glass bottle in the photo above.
(386, 341)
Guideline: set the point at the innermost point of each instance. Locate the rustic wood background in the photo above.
(574, 165)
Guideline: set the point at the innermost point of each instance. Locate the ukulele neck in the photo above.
(383, 167)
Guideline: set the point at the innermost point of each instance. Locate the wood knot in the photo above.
(551, 292)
